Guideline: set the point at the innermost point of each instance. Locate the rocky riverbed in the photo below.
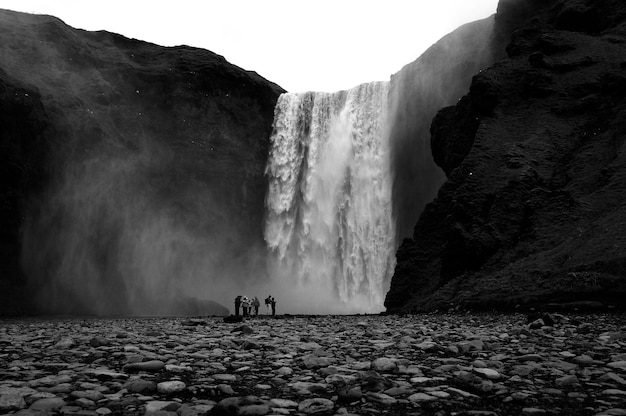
(440, 364)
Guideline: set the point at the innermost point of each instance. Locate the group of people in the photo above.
(248, 305)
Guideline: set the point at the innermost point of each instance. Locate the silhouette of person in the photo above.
(273, 306)
(268, 303)
(245, 302)
(237, 305)
(256, 305)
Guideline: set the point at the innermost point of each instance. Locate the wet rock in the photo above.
(384, 364)
(315, 406)
(92, 395)
(12, 398)
(140, 386)
(306, 388)
(497, 363)
(154, 406)
(99, 342)
(421, 397)
(172, 386)
(283, 403)
(488, 373)
(149, 366)
(381, 398)
(567, 381)
(244, 330)
(247, 405)
(620, 365)
(350, 394)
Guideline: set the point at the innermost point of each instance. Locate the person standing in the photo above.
(244, 304)
(273, 306)
(268, 303)
(237, 304)
(256, 305)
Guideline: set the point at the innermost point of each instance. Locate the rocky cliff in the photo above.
(533, 209)
(123, 163)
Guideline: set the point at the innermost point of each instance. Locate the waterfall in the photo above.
(329, 219)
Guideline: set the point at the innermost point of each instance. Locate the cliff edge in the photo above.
(133, 174)
(533, 211)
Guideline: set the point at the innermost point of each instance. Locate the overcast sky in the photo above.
(322, 45)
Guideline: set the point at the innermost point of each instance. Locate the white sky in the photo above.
(322, 45)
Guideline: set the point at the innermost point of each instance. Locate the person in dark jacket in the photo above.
(256, 305)
(237, 305)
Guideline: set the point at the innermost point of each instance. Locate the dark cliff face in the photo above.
(23, 148)
(533, 208)
(439, 77)
(135, 171)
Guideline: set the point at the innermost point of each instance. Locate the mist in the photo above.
(155, 202)
(350, 172)
(328, 207)
(438, 78)
(115, 237)
(153, 193)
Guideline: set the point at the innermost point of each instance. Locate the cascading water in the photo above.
(328, 208)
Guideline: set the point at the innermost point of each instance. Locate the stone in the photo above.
(244, 405)
(421, 397)
(439, 394)
(12, 398)
(221, 367)
(244, 330)
(226, 389)
(284, 371)
(99, 342)
(381, 398)
(177, 368)
(530, 357)
(309, 387)
(613, 378)
(65, 343)
(92, 395)
(488, 373)
(384, 364)
(621, 365)
(283, 403)
(614, 392)
(311, 361)
(154, 406)
(172, 386)
(151, 366)
(51, 404)
(350, 394)
(315, 406)
(140, 386)
(567, 381)
(225, 377)
(104, 374)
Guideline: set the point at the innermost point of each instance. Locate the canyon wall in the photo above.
(133, 174)
(532, 212)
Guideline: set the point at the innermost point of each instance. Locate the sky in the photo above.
(321, 45)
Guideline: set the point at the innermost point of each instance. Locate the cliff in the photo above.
(533, 209)
(122, 163)
(438, 78)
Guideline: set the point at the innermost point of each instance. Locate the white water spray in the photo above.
(328, 207)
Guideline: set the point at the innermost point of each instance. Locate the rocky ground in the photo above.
(443, 364)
